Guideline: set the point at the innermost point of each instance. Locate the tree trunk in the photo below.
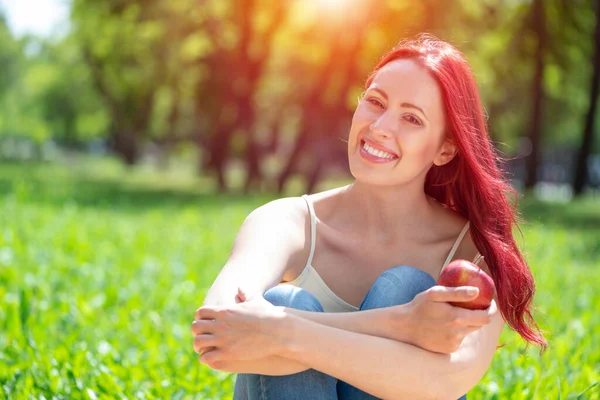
(535, 134)
(581, 171)
(219, 154)
(286, 173)
(126, 147)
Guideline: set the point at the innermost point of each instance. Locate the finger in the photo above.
(203, 326)
(207, 350)
(242, 295)
(490, 311)
(476, 318)
(452, 294)
(213, 359)
(203, 341)
(206, 313)
(470, 329)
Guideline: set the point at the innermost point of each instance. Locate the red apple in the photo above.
(465, 273)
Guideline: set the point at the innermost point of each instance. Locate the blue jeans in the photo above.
(395, 286)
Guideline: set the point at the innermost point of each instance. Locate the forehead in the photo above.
(406, 80)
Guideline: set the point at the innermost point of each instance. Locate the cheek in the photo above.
(363, 115)
(361, 120)
(419, 143)
(414, 139)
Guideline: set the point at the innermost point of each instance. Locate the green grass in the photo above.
(101, 270)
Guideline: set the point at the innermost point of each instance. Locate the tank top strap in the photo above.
(313, 229)
(456, 244)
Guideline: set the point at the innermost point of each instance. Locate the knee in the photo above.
(292, 297)
(407, 276)
(397, 285)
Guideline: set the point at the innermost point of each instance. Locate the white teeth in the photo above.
(377, 153)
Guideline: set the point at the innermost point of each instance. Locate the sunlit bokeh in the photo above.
(333, 15)
(333, 3)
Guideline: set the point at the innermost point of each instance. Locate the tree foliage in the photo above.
(272, 85)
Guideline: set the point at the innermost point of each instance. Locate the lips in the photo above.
(380, 156)
(376, 145)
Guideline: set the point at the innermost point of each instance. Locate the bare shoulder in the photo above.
(285, 215)
(269, 240)
(284, 223)
(296, 209)
(292, 208)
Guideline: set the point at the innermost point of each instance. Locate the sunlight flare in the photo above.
(333, 3)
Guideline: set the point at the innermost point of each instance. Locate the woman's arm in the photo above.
(419, 322)
(241, 338)
(383, 367)
(361, 321)
(270, 238)
(274, 364)
(389, 369)
(392, 369)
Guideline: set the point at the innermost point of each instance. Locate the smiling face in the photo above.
(398, 128)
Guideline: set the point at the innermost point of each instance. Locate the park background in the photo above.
(136, 135)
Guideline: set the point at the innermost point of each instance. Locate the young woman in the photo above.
(334, 295)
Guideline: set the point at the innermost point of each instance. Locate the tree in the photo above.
(236, 71)
(581, 171)
(537, 91)
(134, 54)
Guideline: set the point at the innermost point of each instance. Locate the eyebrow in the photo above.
(406, 105)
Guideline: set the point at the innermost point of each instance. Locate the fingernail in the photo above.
(472, 291)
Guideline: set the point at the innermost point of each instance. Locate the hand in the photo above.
(437, 326)
(244, 331)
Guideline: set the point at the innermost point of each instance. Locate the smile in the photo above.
(372, 154)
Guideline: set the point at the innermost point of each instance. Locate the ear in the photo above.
(446, 153)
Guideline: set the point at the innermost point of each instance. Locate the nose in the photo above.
(383, 126)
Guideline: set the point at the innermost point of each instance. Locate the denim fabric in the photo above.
(395, 286)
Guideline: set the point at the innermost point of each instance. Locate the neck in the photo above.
(385, 214)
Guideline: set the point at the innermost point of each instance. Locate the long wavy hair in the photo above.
(473, 183)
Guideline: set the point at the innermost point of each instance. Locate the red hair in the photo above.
(472, 184)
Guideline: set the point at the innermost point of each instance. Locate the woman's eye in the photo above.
(413, 120)
(375, 102)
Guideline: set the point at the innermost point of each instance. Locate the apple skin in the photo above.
(465, 273)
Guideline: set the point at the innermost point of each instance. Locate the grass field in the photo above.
(101, 271)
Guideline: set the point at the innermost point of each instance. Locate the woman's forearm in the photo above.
(382, 367)
(382, 322)
(369, 322)
(272, 365)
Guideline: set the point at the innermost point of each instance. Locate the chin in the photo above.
(364, 175)
(375, 178)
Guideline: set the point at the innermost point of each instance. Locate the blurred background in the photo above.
(136, 136)
(253, 94)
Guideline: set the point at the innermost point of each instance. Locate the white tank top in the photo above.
(311, 281)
